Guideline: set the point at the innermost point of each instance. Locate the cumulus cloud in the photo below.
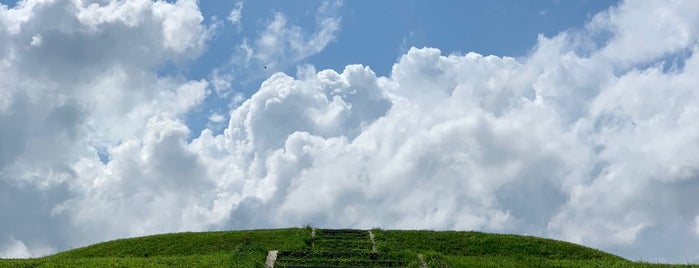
(590, 138)
(670, 23)
(79, 78)
(558, 145)
(574, 142)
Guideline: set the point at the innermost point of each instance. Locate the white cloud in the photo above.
(179, 23)
(85, 83)
(17, 249)
(236, 14)
(589, 145)
(36, 41)
(582, 147)
(216, 118)
(221, 82)
(216, 122)
(277, 47)
(673, 27)
(281, 44)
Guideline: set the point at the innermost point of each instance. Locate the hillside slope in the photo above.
(305, 247)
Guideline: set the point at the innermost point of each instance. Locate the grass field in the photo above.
(297, 247)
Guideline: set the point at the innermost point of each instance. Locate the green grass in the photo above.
(249, 249)
(210, 249)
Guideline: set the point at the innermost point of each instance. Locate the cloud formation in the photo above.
(591, 138)
(79, 80)
(282, 44)
(236, 14)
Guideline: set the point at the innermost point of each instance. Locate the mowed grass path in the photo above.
(249, 249)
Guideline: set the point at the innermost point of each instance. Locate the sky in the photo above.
(572, 120)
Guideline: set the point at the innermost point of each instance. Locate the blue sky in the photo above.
(573, 120)
(375, 34)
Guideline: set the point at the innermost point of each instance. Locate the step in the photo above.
(330, 254)
(338, 248)
(339, 262)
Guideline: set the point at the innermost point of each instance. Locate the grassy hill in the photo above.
(305, 247)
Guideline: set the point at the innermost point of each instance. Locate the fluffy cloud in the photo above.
(558, 145)
(79, 80)
(590, 138)
(670, 23)
(588, 144)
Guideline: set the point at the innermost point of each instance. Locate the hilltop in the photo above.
(307, 247)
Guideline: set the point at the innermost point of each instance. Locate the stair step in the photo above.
(338, 248)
